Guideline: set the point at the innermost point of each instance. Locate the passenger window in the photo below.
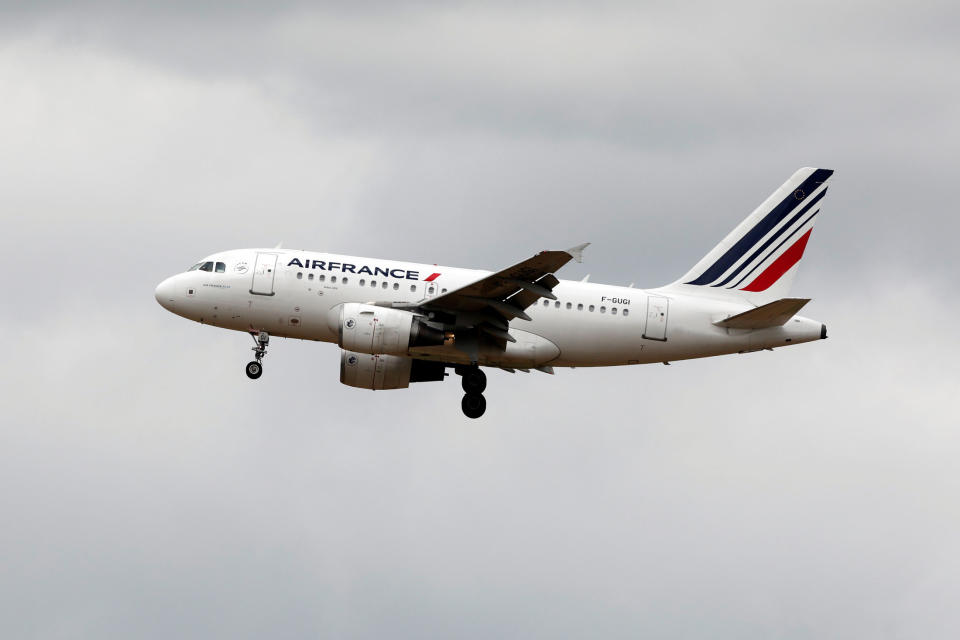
(384, 285)
(556, 305)
(546, 302)
(363, 282)
(613, 311)
(603, 309)
(591, 308)
(321, 278)
(373, 283)
(430, 290)
(310, 277)
(626, 312)
(413, 288)
(569, 305)
(299, 276)
(443, 291)
(344, 280)
(333, 279)
(579, 307)
(396, 285)
(207, 266)
(221, 267)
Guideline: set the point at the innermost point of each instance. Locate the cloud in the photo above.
(152, 489)
(149, 489)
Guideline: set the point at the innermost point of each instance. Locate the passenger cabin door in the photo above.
(264, 273)
(658, 309)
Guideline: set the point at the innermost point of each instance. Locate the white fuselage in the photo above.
(589, 324)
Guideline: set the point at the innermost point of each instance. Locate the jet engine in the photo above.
(366, 328)
(377, 372)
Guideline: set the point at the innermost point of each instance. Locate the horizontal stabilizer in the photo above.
(773, 314)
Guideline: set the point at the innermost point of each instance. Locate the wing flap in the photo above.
(773, 314)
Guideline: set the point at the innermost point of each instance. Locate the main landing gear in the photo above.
(473, 381)
(255, 367)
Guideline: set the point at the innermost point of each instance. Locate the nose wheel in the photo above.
(474, 383)
(260, 341)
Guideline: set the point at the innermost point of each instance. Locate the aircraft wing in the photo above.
(510, 291)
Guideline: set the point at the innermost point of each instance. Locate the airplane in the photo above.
(398, 323)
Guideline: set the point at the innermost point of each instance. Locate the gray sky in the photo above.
(150, 490)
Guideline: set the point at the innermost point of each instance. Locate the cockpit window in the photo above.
(195, 267)
(206, 266)
(221, 267)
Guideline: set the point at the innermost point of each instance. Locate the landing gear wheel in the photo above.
(473, 381)
(254, 370)
(260, 340)
(473, 405)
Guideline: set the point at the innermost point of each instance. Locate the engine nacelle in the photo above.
(378, 372)
(366, 328)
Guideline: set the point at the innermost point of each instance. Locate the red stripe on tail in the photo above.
(780, 266)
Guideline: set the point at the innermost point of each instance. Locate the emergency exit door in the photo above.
(658, 309)
(264, 273)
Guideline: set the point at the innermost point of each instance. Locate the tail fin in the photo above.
(758, 260)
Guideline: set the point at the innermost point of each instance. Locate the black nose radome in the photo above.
(823, 332)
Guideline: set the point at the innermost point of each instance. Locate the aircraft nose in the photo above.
(165, 294)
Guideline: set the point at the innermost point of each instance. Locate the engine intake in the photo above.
(369, 329)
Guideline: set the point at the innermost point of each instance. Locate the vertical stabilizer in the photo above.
(758, 260)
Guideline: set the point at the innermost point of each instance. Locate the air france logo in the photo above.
(241, 267)
(346, 267)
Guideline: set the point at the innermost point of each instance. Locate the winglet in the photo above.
(577, 252)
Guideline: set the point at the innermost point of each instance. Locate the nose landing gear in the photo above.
(474, 382)
(255, 367)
